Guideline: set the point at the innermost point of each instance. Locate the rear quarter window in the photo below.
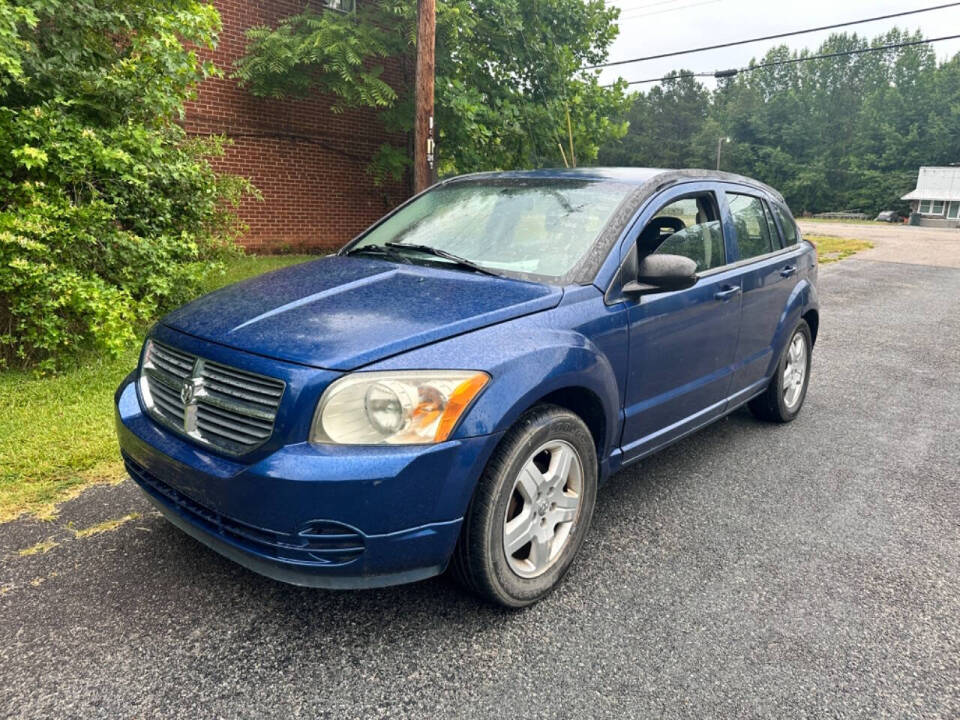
(791, 236)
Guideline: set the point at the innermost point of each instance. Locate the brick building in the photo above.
(308, 163)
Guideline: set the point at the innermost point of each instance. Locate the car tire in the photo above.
(523, 491)
(783, 399)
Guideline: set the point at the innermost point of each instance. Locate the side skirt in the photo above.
(734, 403)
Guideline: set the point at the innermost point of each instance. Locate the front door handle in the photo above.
(788, 271)
(727, 293)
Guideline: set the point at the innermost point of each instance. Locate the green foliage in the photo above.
(74, 409)
(107, 210)
(666, 125)
(507, 74)
(11, 44)
(835, 134)
(326, 49)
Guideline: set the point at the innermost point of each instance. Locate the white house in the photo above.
(936, 201)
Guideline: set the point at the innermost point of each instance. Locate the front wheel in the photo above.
(531, 509)
(784, 396)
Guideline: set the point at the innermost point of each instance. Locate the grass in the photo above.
(107, 526)
(40, 548)
(56, 433)
(250, 265)
(831, 249)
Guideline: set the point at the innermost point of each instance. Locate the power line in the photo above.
(736, 71)
(662, 11)
(772, 37)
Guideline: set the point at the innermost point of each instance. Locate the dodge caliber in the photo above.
(451, 388)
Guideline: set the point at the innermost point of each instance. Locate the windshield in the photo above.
(537, 227)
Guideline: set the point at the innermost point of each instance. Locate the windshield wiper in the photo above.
(437, 252)
(380, 250)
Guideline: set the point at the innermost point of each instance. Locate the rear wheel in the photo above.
(531, 510)
(783, 398)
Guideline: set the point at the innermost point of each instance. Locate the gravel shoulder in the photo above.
(896, 243)
(808, 570)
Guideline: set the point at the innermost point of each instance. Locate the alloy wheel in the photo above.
(543, 507)
(795, 371)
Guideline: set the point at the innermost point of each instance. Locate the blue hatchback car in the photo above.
(451, 388)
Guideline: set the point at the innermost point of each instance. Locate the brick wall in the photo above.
(308, 163)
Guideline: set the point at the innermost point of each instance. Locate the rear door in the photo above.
(681, 344)
(768, 274)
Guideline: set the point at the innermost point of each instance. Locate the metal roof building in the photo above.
(936, 201)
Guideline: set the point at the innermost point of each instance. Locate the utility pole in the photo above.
(720, 142)
(423, 147)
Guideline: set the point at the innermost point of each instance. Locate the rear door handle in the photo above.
(788, 271)
(727, 293)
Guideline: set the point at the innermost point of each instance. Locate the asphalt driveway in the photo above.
(748, 571)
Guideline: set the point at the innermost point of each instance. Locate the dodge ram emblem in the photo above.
(190, 389)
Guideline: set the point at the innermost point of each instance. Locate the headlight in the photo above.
(395, 408)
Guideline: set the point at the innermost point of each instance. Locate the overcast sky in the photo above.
(649, 27)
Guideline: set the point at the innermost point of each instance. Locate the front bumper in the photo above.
(331, 516)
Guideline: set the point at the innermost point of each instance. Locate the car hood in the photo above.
(340, 313)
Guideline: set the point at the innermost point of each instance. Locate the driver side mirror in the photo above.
(662, 273)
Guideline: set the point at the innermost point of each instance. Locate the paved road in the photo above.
(896, 243)
(749, 571)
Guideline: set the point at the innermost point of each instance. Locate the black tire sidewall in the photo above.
(554, 424)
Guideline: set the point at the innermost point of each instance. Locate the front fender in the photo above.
(523, 380)
(526, 362)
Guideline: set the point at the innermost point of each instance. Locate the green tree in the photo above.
(107, 210)
(12, 45)
(666, 127)
(847, 132)
(508, 72)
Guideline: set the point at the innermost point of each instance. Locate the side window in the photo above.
(790, 234)
(750, 220)
(689, 227)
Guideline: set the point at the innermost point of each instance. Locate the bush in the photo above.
(108, 212)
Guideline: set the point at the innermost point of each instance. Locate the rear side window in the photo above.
(789, 227)
(753, 227)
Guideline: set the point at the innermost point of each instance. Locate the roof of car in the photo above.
(627, 175)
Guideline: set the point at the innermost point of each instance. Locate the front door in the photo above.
(683, 343)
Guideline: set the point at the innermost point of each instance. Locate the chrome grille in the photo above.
(215, 404)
